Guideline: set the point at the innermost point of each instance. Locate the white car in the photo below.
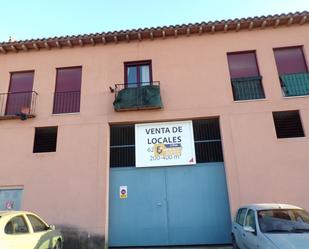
(25, 230)
(271, 226)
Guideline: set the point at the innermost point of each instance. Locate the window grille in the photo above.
(288, 124)
(207, 140)
(122, 146)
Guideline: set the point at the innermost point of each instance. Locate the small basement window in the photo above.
(288, 124)
(45, 139)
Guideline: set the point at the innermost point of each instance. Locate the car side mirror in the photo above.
(52, 227)
(249, 229)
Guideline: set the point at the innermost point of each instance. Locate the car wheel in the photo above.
(58, 245)
(235, 246)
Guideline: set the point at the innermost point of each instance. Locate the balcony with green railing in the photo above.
(296, 84)
(137, 96)
(248, 88)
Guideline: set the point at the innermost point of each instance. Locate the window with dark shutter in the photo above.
(20, 92)
(68, 88)
(288, 124)
(290, 60)
(293, 71)
(45, 139)
(245, 77)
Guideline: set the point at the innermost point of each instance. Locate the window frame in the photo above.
(40, 220)
(64, 68)
(254, 218)
(200, 127)
(7, 102)
(244, 217)
(244, 52)
(137, 64)
(258, 79)
(122, 145)
(35, 144)
(54, 112)
(22, 71)
(237, 215)
(302, 132)
(301, 47)
(292, 68)
(25, 223)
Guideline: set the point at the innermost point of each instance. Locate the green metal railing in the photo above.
(137, 96)
(295, 84)
(248, 88)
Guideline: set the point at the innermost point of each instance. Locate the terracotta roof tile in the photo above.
(155, 32)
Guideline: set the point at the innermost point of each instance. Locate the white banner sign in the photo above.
(164, 144)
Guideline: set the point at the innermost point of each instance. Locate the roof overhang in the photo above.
(297, 18)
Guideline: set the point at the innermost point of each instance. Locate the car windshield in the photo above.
(283, 221)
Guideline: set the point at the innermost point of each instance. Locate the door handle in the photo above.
(159, 204)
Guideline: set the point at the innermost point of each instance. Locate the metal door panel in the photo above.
(198, 206)
(183, 205)
(141, 218)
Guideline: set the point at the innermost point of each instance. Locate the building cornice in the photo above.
(251, 23)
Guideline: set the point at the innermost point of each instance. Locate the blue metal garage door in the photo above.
(183, 205)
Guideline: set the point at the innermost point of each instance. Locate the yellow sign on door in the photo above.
(123, 192)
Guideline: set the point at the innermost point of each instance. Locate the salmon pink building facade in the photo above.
(156, 136)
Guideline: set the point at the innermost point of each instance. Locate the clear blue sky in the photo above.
(27, 19)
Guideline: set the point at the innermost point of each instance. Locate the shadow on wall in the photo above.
(75, 238)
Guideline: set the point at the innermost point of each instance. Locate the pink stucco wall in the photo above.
(70, 186)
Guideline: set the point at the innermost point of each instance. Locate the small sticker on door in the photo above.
(123, 192)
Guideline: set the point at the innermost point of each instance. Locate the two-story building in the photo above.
(156, 136)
